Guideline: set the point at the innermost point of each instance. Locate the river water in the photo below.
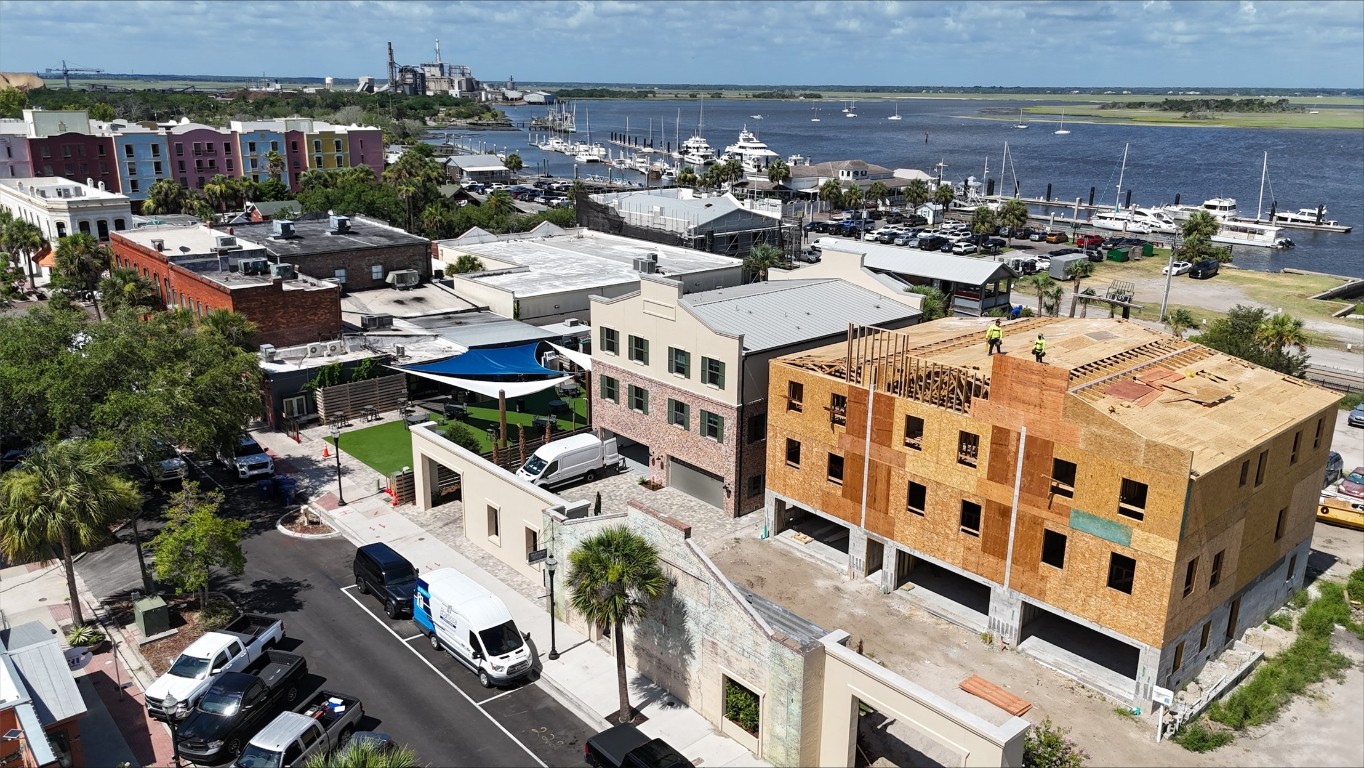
(1306, 167)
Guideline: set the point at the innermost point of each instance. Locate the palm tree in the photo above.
(853, 198)
(983, 220)
(917, 193)
(1051, 298)
(64, 493)
(163, 197)
(24, 239)
(1279, 331)
(1040, 282)
(730, 170)
(687, 177)
(831, 192)
(125, 288)
(274, 165)
(613, 576)
(231, 326)
(499, 204)
(934, 301)
(1179, 321)
(80, 262)
(943, 196)
(1079, 270)
(467, 262)
(761, 258)
(514, 163)
(779, 172)
(878, 191)
(1014, 215)
(363, 754)
(218, 192)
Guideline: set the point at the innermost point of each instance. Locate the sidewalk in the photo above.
(116, 728)
(582, 679)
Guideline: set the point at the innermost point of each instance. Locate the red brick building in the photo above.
(76, 156)
(201, 269)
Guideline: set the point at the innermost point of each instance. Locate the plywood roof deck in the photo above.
(1162, 387)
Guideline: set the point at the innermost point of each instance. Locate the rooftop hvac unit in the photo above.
(158, 244)
(285, 271)
(403, 279)
(336, 348)
(644, 266)
(254, 266)
(338, 224)
(400, 350)
(267, 353)
(225, 243)
(314, 350)
(371, 322)
(283, 228)
(573, 322)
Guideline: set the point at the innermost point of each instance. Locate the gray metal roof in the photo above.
(930, 264)
(42, 668)
(777, 314)
(24, 635)
(677, 205)
(477, 162)
(480, 329)
(782, 620)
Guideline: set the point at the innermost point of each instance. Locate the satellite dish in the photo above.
(184, 249)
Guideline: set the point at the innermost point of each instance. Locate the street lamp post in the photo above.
(336, 440)
(170, 703)
(1169, 274)
(550, 565)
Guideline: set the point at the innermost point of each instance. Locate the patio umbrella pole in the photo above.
(502, 416)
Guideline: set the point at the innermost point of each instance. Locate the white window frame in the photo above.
(295, 407)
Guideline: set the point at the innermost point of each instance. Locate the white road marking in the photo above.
(414, 637)
(427, 662)
(498, 696)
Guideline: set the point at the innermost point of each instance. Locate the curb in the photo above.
(279, 526)
(571, 702)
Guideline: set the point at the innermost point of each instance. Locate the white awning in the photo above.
(582, 361)
(492, 388)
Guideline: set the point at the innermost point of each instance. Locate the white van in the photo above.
(472, 625)
(563, 460)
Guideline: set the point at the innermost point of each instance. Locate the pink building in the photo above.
(366, 147)
(14, 160)
(198, 153)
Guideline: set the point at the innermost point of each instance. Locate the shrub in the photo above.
(217, 614)
(462, 435)
(1351, 400)
(1048, 746)
(1282, 620)
(85, 635)
(1308, 660)
(741, 706)
(1300, 599)
(1197, 737)
(1355, 586)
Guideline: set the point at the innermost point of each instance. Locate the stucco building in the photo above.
(1162, 501)
(685, 374)
(357, 252)
(61, 207)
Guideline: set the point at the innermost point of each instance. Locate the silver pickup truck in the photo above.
(322, 725)
(235, 648)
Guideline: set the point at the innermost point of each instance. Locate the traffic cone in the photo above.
(326, 452)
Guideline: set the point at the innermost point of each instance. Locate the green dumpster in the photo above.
(1148, 250)
(151, 616)
(1117, 254)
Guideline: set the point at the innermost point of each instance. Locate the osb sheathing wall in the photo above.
(1059, 425)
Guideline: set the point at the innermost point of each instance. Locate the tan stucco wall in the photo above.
(846, 266)
(850, 677)
(520, 506)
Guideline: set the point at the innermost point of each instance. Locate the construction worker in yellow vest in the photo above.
(1039, 348)
(994, 338)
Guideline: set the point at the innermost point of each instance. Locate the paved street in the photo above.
(421, 697)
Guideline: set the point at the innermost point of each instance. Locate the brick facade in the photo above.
(76, 156)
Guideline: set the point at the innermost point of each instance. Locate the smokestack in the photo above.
(392, 68)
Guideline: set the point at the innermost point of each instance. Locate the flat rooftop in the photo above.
(187, 241)
(58, 188)
(424, 299)
(313, 235)
(1160, 386)
(576, 260)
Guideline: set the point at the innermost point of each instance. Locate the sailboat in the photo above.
(756, 117)
(851, 109)
(815, 119)
(895, 116)
(1062, 130)
(1020, 123)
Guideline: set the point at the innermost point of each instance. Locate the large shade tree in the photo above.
(64, 494)
(613, 578)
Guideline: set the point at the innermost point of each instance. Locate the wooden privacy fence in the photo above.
(349, 401)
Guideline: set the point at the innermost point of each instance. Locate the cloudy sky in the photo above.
(1295, 44)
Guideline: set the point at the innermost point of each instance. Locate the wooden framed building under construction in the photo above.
(1122, 511)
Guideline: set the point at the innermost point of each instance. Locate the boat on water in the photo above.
(850, 110)
(696, 151)
(756, 117)
(1139, 220)
(1308, 218)
(1062, 130)
(895, 116)
(1218, 207)
(1020, 123)
(1234, 232)
(794, 160)
(751, 151)
(815, 119)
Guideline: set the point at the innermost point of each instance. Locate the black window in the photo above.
(713, 426)
(1260, 466)
(1245, 472)
(610, 341)
(639, 399)
(679, 413)
(712, 372)
(1215, 573)
(1063, 478)
(757, 427)
(970, 517)
(1280, 524)
(914, 433)
(679, 362)
(1054, 548)
(1316, 441)
(639, 349)
(1132, 499)
(968, 448)
(610, 389)
(916, 499)
(835, 471)
(838, 408)
(755, 486)
(1297, 443)
(1203, 638)
(795, 395)
(792, 453)
(1179, 656)
(1190, 573)
(1121, 570)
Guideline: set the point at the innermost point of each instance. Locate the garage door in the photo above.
(694, 481)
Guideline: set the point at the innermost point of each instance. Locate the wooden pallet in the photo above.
(979, 686)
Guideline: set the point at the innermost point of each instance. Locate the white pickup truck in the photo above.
(235, 648)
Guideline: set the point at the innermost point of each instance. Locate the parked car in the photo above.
(1353, 483)
(235, 648)
(1037, 236)
(1335, 468)
(561, 461)
(1094, 254)
(903, 240)
(325, 724)
(932, 242)
(1356, 417)
(1056, 237)
(1176, 268)
(460, 616)
(625, 746)
(1089, 241)
(248, 458)
(389, 575)
(1204, 269)
(237, 705)
(163, 463)
(964, 249)
(1064, 252)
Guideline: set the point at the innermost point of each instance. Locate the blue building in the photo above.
(142, 157)
(256, 140)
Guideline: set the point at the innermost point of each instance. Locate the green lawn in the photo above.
(387, 448)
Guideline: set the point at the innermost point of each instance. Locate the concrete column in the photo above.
(857, 553)
(1148, 666)
(888, 562)
(1006, 609)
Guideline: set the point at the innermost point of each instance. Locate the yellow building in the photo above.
(1122, 511)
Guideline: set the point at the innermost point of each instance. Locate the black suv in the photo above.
(1204, 269)
(388, 575)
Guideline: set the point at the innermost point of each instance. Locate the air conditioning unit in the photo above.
(338, 224)
(372, 322)
(336, 348)
(403, 279)
(225, 243)
(267, 353)
(315, 350)
(254, 266)
(400, 350)
(573, 322)
(158, 244)
(285, 271)
(645, 266)
(283, 228)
